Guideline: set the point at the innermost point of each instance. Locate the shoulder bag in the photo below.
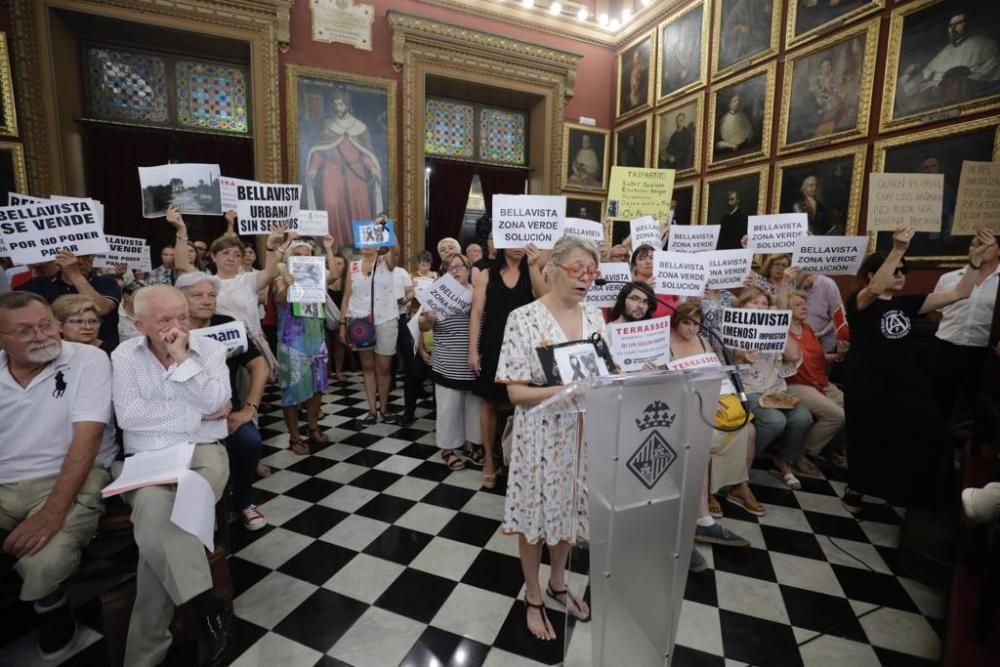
(361, 330)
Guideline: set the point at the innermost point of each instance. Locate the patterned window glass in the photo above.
(501, 136)
(450, 129)
(126, 86)
(211, 96)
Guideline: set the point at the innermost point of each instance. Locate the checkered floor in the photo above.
(377, 554)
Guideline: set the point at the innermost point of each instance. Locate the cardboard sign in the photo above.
(191, 187)
(634, 193)
(905, 199)
(313, 223)
(262, 205)
(604, 296)
(634, 344)
(679, 273)
(126, 250)
(588, 229)
(978, 198)
(646, 231)
(749, 329)
(693, 238)
(727, 269)
(776, 233)
(371, 234)
(446, 297)
(522, 219)
(35, 233)
(231, 334)
(310, 279)
(830, 254)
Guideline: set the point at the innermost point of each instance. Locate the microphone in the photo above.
(734, 375)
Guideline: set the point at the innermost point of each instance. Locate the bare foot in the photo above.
(538, 621)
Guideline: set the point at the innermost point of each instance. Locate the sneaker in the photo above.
(391, 418)
(214, 636)
(852, 501)
(252, 519)
(56, 633)
(982, 505)
(369, 420)
(698, 563)
(716, 534)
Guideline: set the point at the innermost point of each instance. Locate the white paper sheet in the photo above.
(161, 466)
(194, 507)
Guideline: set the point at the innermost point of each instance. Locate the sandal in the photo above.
(317, 435)
(555, 595)
(745, 499)
(714, 508)
(452, 460)
(474, 454)
(299, 447)
(489, 480)
(790, 480)
(540, 608)
(807, 467)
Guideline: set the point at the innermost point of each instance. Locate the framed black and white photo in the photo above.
(683, 62)
(825, 186)
(635, 75)
(585, 151)
(746, 31)
(739, 117)
(678, 136)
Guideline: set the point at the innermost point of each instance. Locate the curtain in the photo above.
(500, 181)
(448, 195)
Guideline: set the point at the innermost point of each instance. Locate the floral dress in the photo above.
(302, 356)
(542, 500)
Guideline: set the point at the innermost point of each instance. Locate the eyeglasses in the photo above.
(901, 271)
(637, 299)
(26, 334)
(82, 323)
(457, 268)
(579, 271)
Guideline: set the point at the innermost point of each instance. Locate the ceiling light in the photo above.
(527, 4)
(581, 14)
(602, 19)
(626, 15)
(614, 24)
(555, 9)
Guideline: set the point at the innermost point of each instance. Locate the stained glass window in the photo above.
(450, 129)
(501, 136)
(127, 86)
(211, 96)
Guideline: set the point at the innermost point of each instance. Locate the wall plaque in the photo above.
(342, 21)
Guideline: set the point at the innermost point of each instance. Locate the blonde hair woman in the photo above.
(79, 318)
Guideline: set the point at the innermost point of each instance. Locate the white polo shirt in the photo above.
(967, 322)
(38, 419)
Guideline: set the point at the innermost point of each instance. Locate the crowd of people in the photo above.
(99, 366)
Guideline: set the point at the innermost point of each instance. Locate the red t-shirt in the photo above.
(662, 310)
(812, 371)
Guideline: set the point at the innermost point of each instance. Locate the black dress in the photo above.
(500, 301)
(897, 442)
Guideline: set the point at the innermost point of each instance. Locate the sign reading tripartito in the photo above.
(749, 329)
(126, 250)
(679, 273)
(635, 192)
(727, 269)
(830, 254)
(262, 205)
(775, 233)
(978, 198)
(634, 344)
(616, 274)
(446, 297)
(588, 229)
(371, 234)
(37, 232)
(693, 238)
(905, 199)
(522, 219)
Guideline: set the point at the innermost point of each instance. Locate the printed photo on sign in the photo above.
(446, 297)
(192, 188)
(646, 231)
(727, 269)
(260, 206)
(895, 200)
(371, 234)
(579, 362)
(127, 250)
(313, 223)
(678, 273)
(616, 274)
(837, 255)
(693, 238)
(750, 329)
(636, 344)
(310, 279)
(592, 231)
(37, 232)
(232, 334)
(519, 220)
(775, 233)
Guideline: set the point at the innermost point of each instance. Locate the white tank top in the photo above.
(360, 304)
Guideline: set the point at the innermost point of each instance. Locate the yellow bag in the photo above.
(730, 413)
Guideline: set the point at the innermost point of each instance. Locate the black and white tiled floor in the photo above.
(377, 555)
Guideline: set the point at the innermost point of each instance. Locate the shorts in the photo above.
(386, 334)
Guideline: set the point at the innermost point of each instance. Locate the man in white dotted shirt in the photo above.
(170, 389)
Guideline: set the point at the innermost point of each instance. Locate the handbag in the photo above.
(361, 330)
(730, 414)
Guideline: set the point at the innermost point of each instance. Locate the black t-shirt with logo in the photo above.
(884, 329)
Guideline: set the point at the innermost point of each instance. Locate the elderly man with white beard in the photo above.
(58, 446)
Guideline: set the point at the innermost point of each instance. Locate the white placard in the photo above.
(522, 219)
(750, 329)
(231, 334)
(261, 205)
(313, 223)
(978, 198)
(830, 254)
(98, 206)
(413, 326)
(37, 232)
(646, 231)
(679, 273)
(701, 361)
(126, 250)
(727, 269)
(17, 199)
(310, 279)
(588, 229)
(693, 238)
(228, 192)
(905, 199)
(191, 187)
(604, 296)
(634, 344)
(446, 297)
(776, 233)
(151, 468)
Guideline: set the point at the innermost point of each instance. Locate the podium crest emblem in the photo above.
(655, 455)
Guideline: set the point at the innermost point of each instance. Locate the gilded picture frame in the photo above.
(755, 88)
(911, 83)
(837, 195)
(634, 139)
(578, 168)
(808, 23)
(750, 184)
(940, 150)
(687, 195)
(684, 156)
(826, 94)
(8, 112)
(743, 38)
(635, 66)
(681, 50)
(13, 174)
(313, 120)
(595, 209)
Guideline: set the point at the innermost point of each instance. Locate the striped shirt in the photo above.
(450, 359)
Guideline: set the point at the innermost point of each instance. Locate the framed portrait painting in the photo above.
(827, 90)
(683, 62)
(939, 151)
(678, 137)
(585, 150)
(825, 186)
(808, 19)
(635, 78)
(944, 58)
(13, 176)
(342, 144)
(8, 115)
(729, 199)
(632, 143)
(585, 208)
(684, 203)
(747, 30)
(739, 117)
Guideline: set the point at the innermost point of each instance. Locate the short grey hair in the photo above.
(192, 278)
(565, 246)
(145, 297)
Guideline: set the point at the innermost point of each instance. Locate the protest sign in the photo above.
(830, 254)
(98, 206)
(679, 273)
(232, 334)
(693, 238)
(776, 233)
(588, 229)
(701, 361)
(35, 233)
(615, 273)
(371, 234)
(749, 329)
(634, 344)
(446, 297)
(310, 279)
(16, 199)
(646, 231)
(634, 193)
(522, 219)
(228, 191)
(192, 188)
(905, 199)
(727, 269)
(313, 223)
(126, 250)
(978, 198)
(259, 206)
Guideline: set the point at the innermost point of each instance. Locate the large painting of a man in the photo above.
(826, 188)
(730, 201)
(745, 30)
(585, 151)
(634, 80)
(682, 57)
(741, 117)
(678, 136)
(808, 17)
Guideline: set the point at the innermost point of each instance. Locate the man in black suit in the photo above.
(734, 224)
